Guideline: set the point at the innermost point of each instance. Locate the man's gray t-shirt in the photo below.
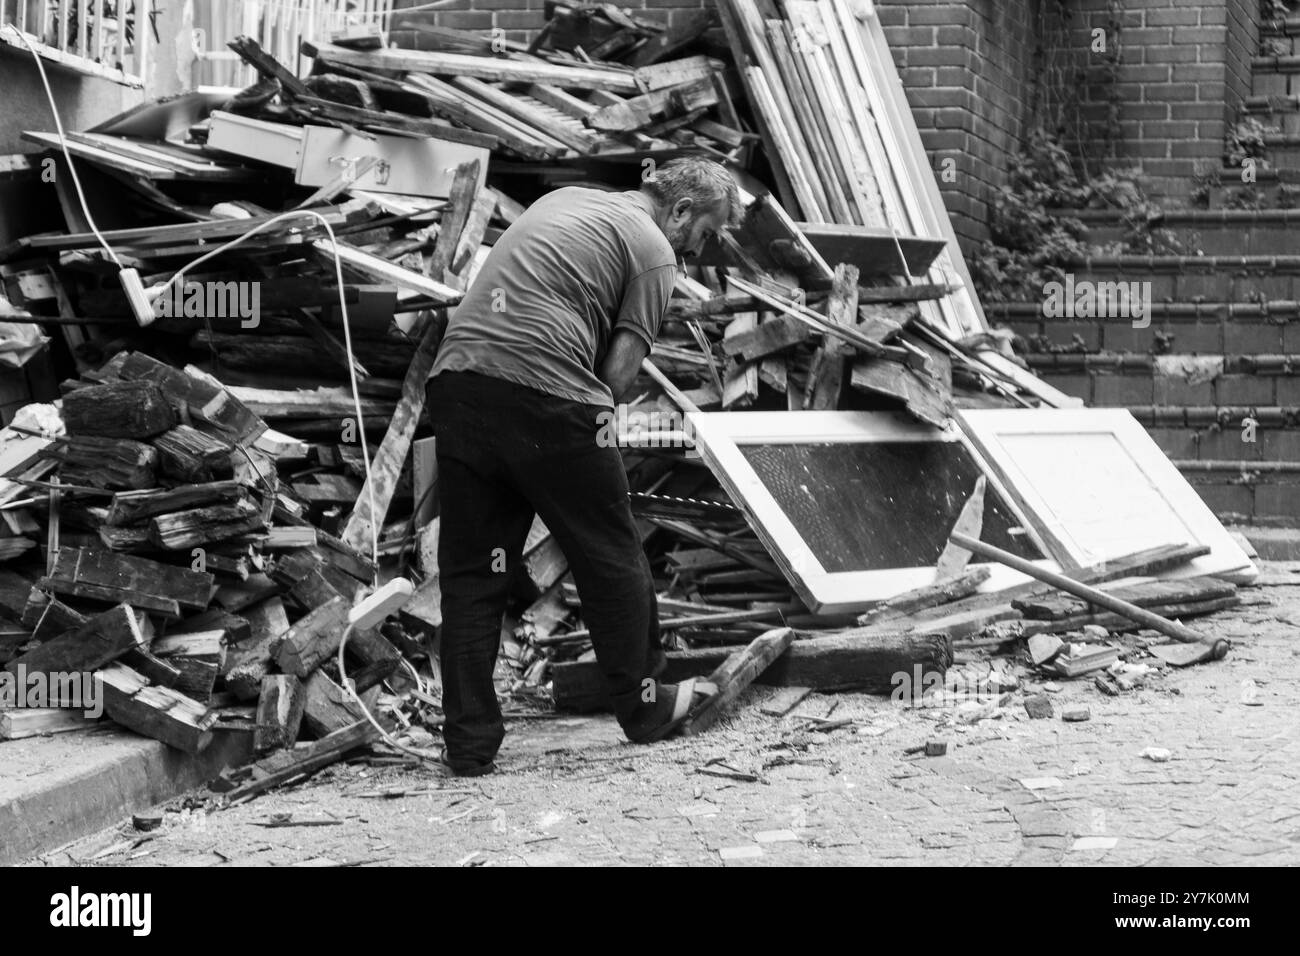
(577, 264)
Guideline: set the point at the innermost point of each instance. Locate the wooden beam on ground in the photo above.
(859, 659)
(285, 765)
(736, 673)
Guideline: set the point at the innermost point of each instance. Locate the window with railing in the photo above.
(107, 38)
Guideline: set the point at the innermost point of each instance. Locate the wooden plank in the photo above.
(310, 642)
(199, 527)
(740, 381)
(201, 395)
(132, 507)
(931, 595)
(659, 76)
(386, 271)
(105, 462)
(1147, 594)
(485, 68)
(158, 712)
(785, 700)
(388, 121)
(1118, 623)
(921, 394)
(736, 673)
(251, 52)
(38, 721)
(580, 141)
(376, 495)
(279, 712)
(464, 189)
(84, 572)
(561, 100)
(826, 370)
(285, 765)
(101, 639)
(479, 115)
(639, 111)
(875, 251)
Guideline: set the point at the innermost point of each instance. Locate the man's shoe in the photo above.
(688, 698)
(467, 770)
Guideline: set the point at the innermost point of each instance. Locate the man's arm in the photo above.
(622, 361)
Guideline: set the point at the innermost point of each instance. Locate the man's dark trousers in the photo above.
(506, 452)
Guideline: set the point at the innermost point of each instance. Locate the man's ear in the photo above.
(682, 208)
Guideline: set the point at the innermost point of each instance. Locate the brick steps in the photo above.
(1134, 380)
(1189, 278)
(1266, 332)
(1208, 232)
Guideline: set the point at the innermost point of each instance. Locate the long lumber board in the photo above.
(387, 466)
(484, 68)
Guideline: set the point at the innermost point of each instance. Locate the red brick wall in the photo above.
(965, 66)
(969, 68)
(1184, 68)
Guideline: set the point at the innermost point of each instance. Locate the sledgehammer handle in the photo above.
(1092, 595)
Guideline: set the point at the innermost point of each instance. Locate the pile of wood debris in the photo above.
(196, 521)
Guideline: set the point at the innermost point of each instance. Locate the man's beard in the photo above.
(677, 239)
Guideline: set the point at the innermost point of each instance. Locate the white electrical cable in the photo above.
(63, 142)
(338, 272)
(347, 343)
(350, 687)
(347, 340)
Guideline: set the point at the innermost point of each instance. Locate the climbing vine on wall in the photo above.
(1069, 160)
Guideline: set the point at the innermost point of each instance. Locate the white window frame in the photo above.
(719, 438)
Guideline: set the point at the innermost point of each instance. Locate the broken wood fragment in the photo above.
(118, 410)
(313, 639)
(279, 712)
(158, 712)
(91, 645)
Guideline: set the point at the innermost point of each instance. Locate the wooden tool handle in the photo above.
(1092, 595)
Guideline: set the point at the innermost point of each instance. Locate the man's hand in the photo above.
(622, 361)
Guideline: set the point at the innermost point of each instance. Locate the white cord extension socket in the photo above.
(141, 305)
(389, 599)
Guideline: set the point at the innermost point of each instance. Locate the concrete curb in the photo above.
(57, 789)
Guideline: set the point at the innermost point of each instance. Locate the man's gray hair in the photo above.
(707, 184)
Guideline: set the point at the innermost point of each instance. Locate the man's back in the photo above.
(577, 264)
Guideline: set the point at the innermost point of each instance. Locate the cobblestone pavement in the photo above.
(1010, 790)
